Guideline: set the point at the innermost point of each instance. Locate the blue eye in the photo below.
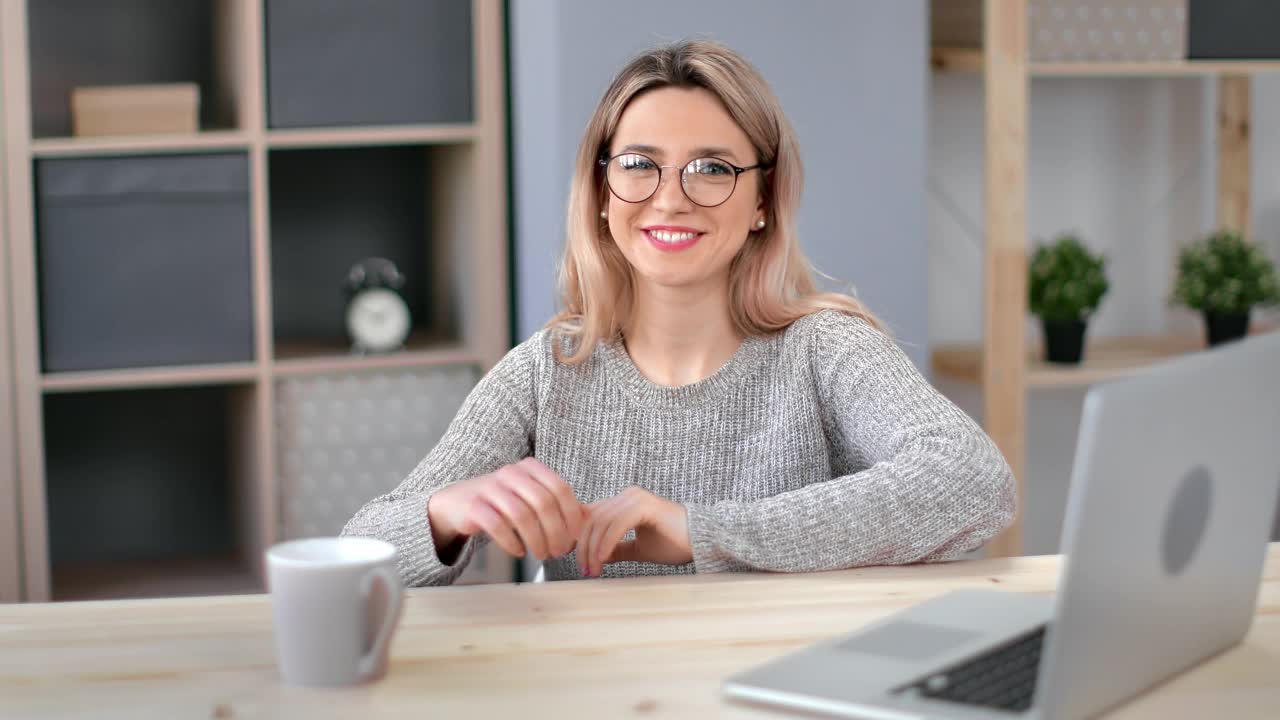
(711, 167)
(635, 162)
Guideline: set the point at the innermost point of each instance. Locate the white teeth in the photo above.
(672, 237)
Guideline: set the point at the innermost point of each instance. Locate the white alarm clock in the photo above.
(377, 317)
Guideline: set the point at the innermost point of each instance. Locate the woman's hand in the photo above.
(524, 508)
(662, 532)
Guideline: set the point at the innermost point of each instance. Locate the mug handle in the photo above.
(369, 662)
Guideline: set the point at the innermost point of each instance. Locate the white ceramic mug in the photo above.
(322, 590)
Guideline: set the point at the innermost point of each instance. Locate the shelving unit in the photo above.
(432, 197)
(1006, 364)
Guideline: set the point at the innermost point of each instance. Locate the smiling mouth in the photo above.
(672, 239)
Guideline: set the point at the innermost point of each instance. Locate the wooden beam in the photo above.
(21, 285)
(955, 59)
(10, 540)
(1233, 153)
(1004, 346)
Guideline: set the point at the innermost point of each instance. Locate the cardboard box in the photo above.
(135, 109)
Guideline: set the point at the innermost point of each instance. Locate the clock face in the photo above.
(378, 320)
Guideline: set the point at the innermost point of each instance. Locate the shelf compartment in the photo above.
(147, 491)
(331, 208)
(1104, 359)
(394, 62)
(76, 44)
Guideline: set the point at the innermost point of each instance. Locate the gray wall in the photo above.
(852, 77)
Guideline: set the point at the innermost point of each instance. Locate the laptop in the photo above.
(1174, 487)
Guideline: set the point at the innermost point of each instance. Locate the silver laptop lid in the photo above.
(1174, 489)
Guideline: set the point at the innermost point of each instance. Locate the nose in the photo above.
(670, 197)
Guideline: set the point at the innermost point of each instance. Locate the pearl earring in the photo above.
(604, 215)
(759, 224)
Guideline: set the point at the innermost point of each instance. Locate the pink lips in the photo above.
(672, 246)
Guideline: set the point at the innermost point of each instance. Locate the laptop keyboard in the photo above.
(1004, 677)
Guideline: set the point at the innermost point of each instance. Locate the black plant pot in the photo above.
(1064, 341)
(1225, 328)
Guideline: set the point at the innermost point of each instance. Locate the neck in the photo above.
(681, 335)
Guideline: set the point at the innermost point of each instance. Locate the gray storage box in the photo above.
(144, 261)
(1062, 31)
(345, 439)
(1107, 30)
(368, 62)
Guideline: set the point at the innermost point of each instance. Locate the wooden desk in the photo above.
(590, 649)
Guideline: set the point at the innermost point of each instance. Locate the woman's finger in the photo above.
(520, 516)
(593, 514)
(619, 523)
(490, 522)
(546, 510)
(601, 521)
(564, 502)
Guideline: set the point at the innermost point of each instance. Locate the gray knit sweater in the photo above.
(816, 448)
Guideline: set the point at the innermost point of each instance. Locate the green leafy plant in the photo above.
(1067, 282)
(1223, 274)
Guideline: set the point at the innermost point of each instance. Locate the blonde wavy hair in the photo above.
(771, 283)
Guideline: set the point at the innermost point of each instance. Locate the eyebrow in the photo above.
(707, 151)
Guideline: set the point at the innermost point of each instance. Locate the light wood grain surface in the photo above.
(1004, 367)
(591, 649)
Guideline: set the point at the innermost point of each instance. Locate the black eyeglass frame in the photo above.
(737, 172)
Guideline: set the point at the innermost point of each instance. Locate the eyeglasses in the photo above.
(707, 182)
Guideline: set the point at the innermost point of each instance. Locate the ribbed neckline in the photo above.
(749, 357)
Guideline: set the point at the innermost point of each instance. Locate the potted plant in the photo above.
(1223, 277)
(1066, 284)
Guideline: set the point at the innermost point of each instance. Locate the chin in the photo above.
(672, 277)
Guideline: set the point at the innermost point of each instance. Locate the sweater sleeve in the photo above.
(494, 427)
(934, 485)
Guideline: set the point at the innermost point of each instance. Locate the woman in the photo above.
(697, 406)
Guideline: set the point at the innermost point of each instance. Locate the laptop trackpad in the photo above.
(906, 640)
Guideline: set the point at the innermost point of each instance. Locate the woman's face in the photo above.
(668, 239)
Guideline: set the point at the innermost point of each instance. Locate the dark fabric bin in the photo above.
(1233, 30)
(144, 261)
(368, 62)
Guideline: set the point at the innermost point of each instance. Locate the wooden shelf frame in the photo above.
(1104, 359)
(970, 60)
(10, 515)
(467, 213)
(140, 579)
(313, 363)
(124, 379)
(367, 136)
(1003, 365)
